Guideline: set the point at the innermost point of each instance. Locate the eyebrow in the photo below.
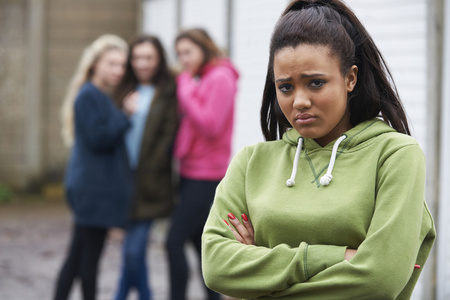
(284, 79)
(313, 75)
(302, 76)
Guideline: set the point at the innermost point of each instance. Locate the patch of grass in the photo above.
(6, 194)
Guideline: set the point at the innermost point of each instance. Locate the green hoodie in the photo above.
(374, 203)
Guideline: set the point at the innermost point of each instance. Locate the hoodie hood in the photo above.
(350, 139)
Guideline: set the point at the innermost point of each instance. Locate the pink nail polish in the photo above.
(244, 217)
(231, 216)
(226, 222)
(416, 266)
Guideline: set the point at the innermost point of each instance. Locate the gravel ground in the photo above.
(34, 235)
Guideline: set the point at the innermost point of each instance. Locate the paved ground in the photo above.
(33, 239)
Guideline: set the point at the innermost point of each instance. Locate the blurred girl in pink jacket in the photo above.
(206, 91)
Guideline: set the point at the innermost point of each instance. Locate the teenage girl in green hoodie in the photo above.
(335, 209)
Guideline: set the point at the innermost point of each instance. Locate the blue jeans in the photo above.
(134, 263)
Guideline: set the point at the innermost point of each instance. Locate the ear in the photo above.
(351, 78)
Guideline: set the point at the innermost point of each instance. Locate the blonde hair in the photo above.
(83, 73)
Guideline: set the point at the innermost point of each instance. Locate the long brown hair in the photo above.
(162, 75)
(332, 24)
(201, 38)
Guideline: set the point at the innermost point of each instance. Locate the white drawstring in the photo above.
(291, 181)
(326, 179)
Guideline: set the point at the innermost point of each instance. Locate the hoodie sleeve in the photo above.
(209, 111)
(401, 234)
(247, 271)
(101, 124)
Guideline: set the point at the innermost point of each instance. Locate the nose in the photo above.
(301, 100)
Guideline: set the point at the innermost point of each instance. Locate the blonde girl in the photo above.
(97, 179)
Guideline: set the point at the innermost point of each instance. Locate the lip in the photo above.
(304, 118)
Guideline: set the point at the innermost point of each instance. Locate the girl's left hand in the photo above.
(130, 103)
(243, 233)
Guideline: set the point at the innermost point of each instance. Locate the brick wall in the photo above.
(68, 27)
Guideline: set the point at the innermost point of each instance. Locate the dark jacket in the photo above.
(98, 177)
(154, 187)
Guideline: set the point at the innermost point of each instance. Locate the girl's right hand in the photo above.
(349, 253)
(130, 103)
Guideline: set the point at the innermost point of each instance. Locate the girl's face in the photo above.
(145, 62)
(109, 69)
(312, 92)
(190, 55)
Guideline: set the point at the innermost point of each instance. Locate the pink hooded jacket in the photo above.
(203, 143)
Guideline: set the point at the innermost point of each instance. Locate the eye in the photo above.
(285, 88)
(316, 83)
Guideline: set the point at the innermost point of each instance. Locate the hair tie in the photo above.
(311, 5)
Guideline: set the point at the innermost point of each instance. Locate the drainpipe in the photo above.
(33, 95)
(443, 223)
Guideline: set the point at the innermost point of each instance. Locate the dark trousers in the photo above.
(187, 225)
(81, 262)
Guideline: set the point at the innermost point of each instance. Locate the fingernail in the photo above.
(244, 216)
(226, 222)
(231, 216)
(416, 266)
